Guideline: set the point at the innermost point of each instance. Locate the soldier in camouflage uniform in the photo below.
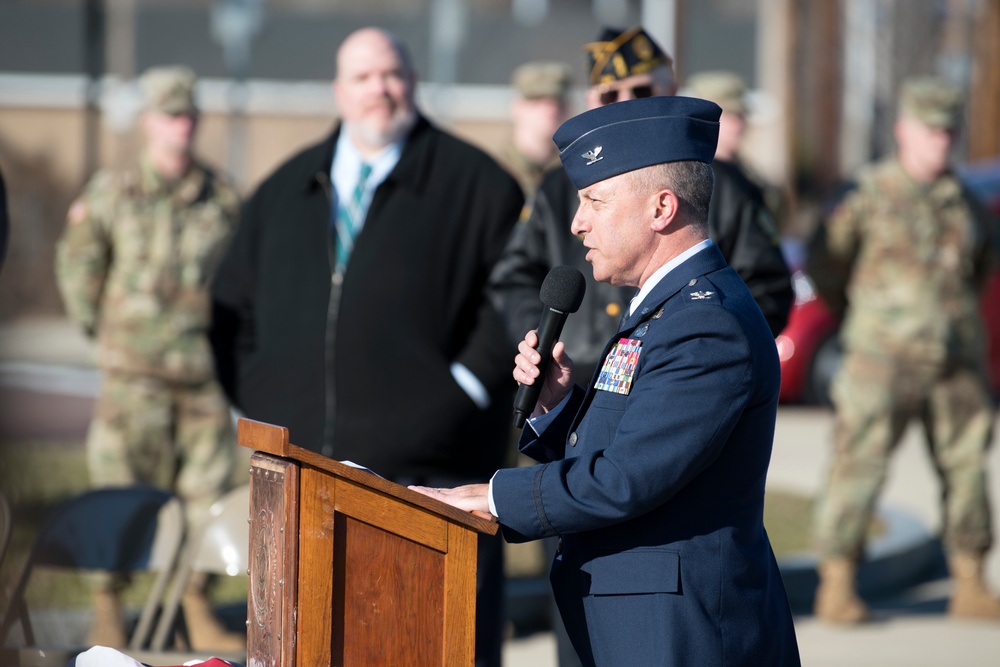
(540, 105)
(729, 91)
(904, 258)
(133, 267)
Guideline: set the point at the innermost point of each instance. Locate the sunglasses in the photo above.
(611, 96)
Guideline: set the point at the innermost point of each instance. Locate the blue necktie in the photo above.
(349, 218)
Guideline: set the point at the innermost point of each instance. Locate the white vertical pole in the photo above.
(659, 18)
(861, 87)
(774, 82)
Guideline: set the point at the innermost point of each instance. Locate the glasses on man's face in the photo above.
(642, 90)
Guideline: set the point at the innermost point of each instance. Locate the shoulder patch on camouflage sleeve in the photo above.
(77, 212)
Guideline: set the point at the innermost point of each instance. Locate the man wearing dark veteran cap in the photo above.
(624, 65)
(621, 65)
(903, 260)
(627, 64)
(652, 472)
(140, 246)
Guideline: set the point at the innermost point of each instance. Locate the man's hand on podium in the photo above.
(471, 497)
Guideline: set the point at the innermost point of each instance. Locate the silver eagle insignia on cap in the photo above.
(592, 155)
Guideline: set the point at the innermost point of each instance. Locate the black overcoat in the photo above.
(357, 365)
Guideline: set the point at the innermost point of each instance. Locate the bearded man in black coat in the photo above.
(351, 305)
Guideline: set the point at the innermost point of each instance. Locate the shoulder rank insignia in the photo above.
(619, 367)
(701, 295)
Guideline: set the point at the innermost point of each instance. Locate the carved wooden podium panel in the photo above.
(347, 568)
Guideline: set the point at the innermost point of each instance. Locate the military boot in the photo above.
(837, 599)
(205, 631)
(971, 598)
(108, 625)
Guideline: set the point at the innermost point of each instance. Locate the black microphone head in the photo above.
(563, 289)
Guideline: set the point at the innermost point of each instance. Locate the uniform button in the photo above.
(572, 439)
(694, 281)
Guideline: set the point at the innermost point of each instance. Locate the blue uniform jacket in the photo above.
(658, 494)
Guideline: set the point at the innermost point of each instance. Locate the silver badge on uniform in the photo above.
(701, 296)
(592, 155)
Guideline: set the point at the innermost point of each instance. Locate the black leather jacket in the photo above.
(739, 224)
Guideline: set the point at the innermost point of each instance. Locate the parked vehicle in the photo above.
(808, 347)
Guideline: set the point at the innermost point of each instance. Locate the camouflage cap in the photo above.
(169, 89)
(542, 79)
(619, 54)
(933, 101)
(724, 88)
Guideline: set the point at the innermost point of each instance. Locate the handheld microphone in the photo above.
(561, 294)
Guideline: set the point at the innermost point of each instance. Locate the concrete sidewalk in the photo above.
(910, 627)
(45, 340)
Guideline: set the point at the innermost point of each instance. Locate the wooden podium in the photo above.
(347, 568)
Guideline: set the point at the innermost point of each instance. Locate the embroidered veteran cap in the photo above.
(169, 90)
(933, 101)
(617, 138)
(619, 54)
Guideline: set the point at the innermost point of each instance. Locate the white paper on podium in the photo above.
(361, 467)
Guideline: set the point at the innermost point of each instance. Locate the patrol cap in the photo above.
(169, 89)
(542, 79)
(619, 54)
(617, 138)
(724, 88)
(933, 101)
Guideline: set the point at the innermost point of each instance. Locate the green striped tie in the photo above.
(349, 218)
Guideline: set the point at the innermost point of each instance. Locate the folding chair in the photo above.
(6, 526)
(220, 546)
(6, 530)
(120, 529)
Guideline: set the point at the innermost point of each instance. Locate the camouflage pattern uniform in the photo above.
(534, 81)
(905, 262)
(133, 267)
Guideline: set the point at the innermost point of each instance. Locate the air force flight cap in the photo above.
(625, 136)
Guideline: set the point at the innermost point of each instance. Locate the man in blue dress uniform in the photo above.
(652, 474)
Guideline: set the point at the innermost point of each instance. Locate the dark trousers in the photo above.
(565, 652)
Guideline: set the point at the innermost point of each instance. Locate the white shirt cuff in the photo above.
(493, 505)
(541, 422)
